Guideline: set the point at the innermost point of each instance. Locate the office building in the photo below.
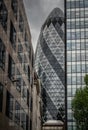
(50, 66)
(16, 67)
(77, 51)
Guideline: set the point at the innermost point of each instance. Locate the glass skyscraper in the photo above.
(77, 51)
(50, 66)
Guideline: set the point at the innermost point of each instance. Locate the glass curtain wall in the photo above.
(77, 51)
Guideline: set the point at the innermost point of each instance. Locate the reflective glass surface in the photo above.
(77, 50)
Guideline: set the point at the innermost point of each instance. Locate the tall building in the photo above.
(16, 67)
(77, 51)
(50, 66)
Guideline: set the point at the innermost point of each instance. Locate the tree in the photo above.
(80, 106)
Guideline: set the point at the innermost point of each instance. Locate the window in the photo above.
(9, 105)
(27, 97)
(17, 112)
(68, 14)
(32, 60)
(14, 5)
(87, 68)
(83, 67)
(23, 119)
(82, 35)
(69, 68)
(73, 35)
(19, 81)
(73, 14)
(21, 23)
(24, 91)
(3, 15)
(78, 68)
(77, 4)
(31, 103)
(79, 80)
(73, 79)
(81, 4)
(86, 24)
(18, 84)
(69, 57)
(30, 124)
(86, 56)
(73, 57)
(73, 68)
(1, 97)
(72, 4)
(73, 23)
(68, 25)
(69, 80)
(78, 45)
(69, 46)
(73, 46)
(26, 40)
(29, 73)
(27, 122)
(11, 68)
(83, 45)
(12, 35)
(78, 56)
(77, 35)
(83, 56)
(68, 4)
(69, 35)
(69, 104)
(69, 115)
(69, 92)
(86, 3)
(2, 55)
(20, 52)
(82, 24)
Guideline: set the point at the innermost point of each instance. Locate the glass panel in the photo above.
(17, 113)
(14, 5)
(3, 15)
(2, 55)
(11, 68)
(1, 97)
(9, 105)
(12, 35)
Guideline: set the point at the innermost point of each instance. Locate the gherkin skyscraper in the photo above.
(50, 66)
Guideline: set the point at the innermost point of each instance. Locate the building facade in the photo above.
(77, 51)
(50, 66)
(16, 67)
(36, 113)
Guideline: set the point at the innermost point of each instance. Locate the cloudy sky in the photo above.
(37, 12)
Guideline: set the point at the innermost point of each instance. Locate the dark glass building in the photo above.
(77, 51)
(50, 66)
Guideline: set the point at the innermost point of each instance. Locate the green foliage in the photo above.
(80, 106)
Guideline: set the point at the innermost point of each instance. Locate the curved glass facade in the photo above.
(50, 66)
